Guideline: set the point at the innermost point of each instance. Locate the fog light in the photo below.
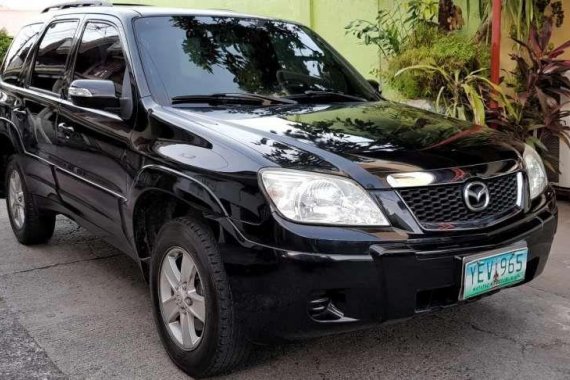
(322, 309)
(318, 305)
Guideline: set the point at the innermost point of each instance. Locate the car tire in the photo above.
(30, 225)
(217, 344)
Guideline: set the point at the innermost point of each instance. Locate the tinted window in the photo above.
(189, 55)
(16, 56)
(52, 56)
(100, 55)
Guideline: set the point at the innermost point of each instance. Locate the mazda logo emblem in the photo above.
(476, 196)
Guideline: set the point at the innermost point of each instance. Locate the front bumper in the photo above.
(280, 294)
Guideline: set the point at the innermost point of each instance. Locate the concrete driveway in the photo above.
(77, 308)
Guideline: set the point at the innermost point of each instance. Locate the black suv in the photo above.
(266, 190)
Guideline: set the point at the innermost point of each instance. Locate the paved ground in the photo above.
(77, 308)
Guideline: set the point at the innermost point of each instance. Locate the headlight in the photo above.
(320, 199)
(535, 171)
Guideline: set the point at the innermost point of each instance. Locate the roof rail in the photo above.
(131, 5)
(77, 4)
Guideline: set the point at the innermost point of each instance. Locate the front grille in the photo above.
(443, 206)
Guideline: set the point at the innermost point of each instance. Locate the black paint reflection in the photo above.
(384, 136)
(205, 55)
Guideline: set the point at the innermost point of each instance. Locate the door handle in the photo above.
(66, 128)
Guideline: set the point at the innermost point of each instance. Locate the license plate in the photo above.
(486, 272)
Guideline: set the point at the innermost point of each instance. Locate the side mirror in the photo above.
(94, 93)
(375, 84)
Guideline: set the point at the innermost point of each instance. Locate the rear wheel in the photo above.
(30, 225)
(192, 301)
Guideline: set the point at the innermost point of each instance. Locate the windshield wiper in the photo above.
(245, 99)
(310, 94)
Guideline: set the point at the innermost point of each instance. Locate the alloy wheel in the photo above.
(16, 199)
(182, 300)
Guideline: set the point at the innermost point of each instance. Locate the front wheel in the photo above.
(192, 301)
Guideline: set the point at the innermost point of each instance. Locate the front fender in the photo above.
(183, 186)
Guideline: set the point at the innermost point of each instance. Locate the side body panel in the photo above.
(92, 145)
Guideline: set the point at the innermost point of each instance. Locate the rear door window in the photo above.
(52, 56)
(18, 52)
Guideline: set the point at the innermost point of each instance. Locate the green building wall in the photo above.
(326, 17)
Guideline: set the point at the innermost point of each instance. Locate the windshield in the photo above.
(196, 55)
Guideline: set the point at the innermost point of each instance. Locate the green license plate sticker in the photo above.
(485, 274)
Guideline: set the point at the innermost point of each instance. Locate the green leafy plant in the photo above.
(410, 34)
(391, 28)
(424, 10)
(534, 110)
(524, 14)
(429, 46)
(5, 41)
(461, 96)
(388, 31)
(521, 15)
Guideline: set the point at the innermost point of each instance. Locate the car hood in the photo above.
(383, 137)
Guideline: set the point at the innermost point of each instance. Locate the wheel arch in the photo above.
(160, 195)
(10, 132)
(7, 148)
